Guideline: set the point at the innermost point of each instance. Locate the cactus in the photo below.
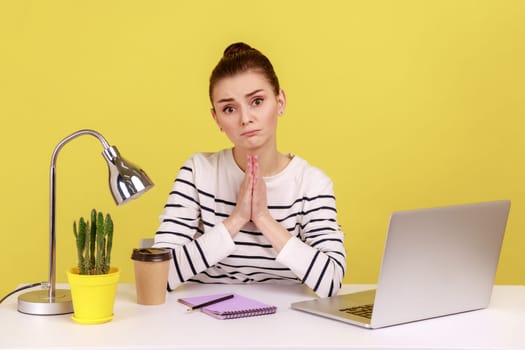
(92, 238)
(94, 241)
(108, 227)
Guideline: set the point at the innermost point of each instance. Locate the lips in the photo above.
(250, 133)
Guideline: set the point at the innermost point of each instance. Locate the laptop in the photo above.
(436, 262)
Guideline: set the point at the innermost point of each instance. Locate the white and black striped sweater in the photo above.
(300, 197)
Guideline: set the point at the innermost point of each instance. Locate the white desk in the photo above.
(169, 326)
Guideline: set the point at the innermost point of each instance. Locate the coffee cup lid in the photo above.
(151, 254)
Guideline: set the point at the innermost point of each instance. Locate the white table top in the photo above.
(170, 326)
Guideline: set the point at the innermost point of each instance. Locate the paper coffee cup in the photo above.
(151, 274)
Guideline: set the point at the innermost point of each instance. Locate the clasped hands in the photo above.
(251, 199)
(252, 206)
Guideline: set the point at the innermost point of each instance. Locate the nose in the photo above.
(246, 116)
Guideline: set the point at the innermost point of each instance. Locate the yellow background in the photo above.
(405, 104)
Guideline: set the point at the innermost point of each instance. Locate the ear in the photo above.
(281, 101)
(214, 116)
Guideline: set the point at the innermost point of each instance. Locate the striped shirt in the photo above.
(300, 198)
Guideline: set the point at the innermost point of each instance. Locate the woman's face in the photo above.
(246, 109)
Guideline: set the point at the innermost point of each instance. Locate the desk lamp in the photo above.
(126, 182)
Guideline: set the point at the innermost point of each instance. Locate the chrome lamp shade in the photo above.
(126, 182)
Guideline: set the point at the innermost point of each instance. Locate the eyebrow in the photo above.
(222, 100)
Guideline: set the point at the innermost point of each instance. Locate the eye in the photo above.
(257, 101)
(228, 110)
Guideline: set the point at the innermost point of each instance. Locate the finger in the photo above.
(249, 179)
(255, 169)
(249, 164)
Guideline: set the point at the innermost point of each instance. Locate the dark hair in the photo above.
(238, 58)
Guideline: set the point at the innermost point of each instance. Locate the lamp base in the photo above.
(38, 302)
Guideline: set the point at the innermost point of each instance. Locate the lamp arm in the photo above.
(52, 203)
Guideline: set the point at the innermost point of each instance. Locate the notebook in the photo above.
(234, 307)
(436, 262)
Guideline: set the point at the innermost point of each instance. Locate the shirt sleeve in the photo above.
(317, 256)
(181, 231)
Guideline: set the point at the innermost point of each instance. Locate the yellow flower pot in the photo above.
(93, 295)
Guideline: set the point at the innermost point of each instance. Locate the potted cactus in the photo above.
(94, 243)
(93, 281)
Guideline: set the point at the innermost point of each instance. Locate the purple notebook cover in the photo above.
(238, 306)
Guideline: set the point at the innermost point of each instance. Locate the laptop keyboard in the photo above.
(361, 310)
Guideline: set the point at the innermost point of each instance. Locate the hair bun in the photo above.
(239, 58)
(236, 48)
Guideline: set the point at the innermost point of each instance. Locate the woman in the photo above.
(251, 214)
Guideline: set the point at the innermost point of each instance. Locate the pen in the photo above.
(214, 301)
